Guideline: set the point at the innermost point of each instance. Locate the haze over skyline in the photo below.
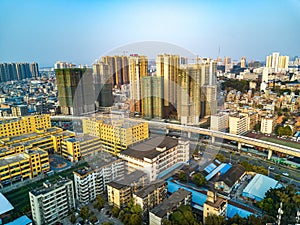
(81, 31)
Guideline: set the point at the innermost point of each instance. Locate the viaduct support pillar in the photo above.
(213, 139)
(239, 146)
(270, 152)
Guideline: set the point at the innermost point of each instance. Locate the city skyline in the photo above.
(48, 31)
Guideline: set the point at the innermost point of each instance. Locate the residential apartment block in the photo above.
(156, 155)
(52, 202)
(238, 124)
(91, 181)
(150, 196)
(120, 191)
(219, 122)
(162, 211)
(268, 124)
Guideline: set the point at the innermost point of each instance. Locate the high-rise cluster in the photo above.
(177, 91)
(277, 62)
(181, 92)
(18, 71)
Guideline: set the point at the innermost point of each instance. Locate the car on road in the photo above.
(271, 168)
(285, 174)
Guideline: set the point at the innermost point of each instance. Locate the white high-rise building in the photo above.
(52, 202)
(267, 124)
(92, 182)
(219, 121)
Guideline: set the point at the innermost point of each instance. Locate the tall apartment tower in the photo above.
(34, 69)
(103, 84)
(277, 62)
(167, 66)
(119, 66)
(188, 94)
(75, 91)
(14, 71)
(208, 87)
(227, 63)
(138, 68)
(152, 97)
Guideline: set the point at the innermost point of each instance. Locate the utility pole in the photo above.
(280, 212)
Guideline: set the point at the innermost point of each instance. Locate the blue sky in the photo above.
(81, 31)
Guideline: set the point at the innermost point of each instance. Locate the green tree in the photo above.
(93, 219)
(182, 177)
(289, 198)
(135, 219)
(182, 216)
(215, 220)
(115, 211)
(257, 127)
(199, 179)
(277, 177)
(220, 157)
(99, 202)
(72, 218)
(107, 223)
(84, 213)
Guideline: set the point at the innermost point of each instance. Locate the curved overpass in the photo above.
(214, 134)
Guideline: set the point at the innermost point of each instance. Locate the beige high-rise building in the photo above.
(267, 124)
(238, 124)
(119, 71)
(167, 66)
(243, 62)
(138, 68)
(277, 62)
(283, 62)
(152, 97)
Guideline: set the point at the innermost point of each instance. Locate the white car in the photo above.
(285, 174)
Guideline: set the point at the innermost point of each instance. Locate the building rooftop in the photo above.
(170, 203)
(24, 220)
(97, 162)
(145, 191)
(129, 179)
(149, 148)
(5, 205)
(12, 159)
(258, 186)
(50, 186)
(232, 175)
(84, 137)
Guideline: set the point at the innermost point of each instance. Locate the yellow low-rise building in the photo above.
(82, 145)
(23, 125)
(116, 133)
(22, 166)
(49, 139)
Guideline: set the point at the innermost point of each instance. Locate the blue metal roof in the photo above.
(258, 186)
(210, 168)
(197, 197)
(233, 210)
(223, 167)
(24, 220)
